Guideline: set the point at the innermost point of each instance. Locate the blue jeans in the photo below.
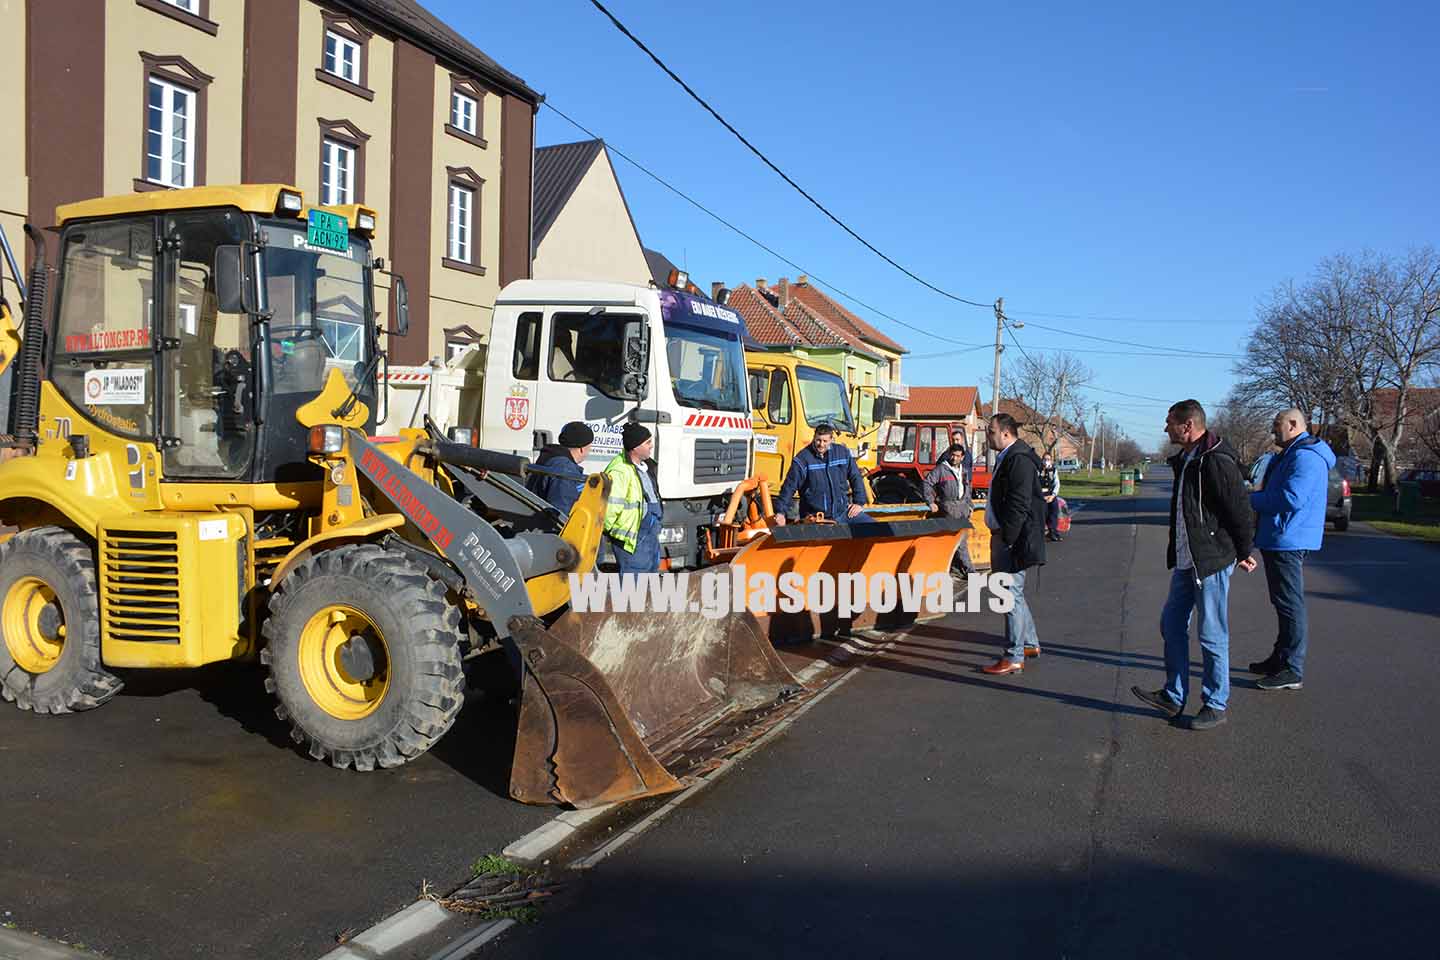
(1019, 623)
(1285, 576)
(1210, 600)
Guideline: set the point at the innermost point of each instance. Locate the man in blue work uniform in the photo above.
(564, 457)
(827, 479)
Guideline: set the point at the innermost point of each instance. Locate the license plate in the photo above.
(329, 231)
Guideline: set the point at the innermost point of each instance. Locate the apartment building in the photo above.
(364, 101)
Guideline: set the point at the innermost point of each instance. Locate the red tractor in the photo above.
(911, 449)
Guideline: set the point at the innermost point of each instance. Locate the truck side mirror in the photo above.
(637, 347)
(236, 288)
(402, 307)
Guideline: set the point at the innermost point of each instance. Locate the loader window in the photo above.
(899, 444)
(103, 360)
(587, 349)
(207, 398)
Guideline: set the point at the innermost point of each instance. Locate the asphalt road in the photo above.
(927, 807)
(177, 821)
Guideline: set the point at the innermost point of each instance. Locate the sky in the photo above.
(1133, 171)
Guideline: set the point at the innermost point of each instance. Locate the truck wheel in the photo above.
(1342, 523)
(896, 488)
(50, 620)
(364, 657)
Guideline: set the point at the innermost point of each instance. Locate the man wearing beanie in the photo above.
(632, 517)
(565, 457)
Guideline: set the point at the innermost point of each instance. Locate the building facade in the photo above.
(353, 101)
(583, 228)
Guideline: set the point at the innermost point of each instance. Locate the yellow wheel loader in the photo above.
(190, 476)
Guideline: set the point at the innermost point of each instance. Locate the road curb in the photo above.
(15, 945)
(416, 920)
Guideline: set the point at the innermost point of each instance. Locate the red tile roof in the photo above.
(761, 321)
(1022, 412)
(940, 402)
(843, 321)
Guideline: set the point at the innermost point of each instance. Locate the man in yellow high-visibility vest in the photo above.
(632, 516)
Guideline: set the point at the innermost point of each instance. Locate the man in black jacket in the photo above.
(1212, 530)
(563, 457)
(1015, 514)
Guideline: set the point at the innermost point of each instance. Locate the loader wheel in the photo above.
(364, 657)
(50, 621)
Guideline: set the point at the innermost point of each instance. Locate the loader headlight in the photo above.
(292, 201)
(326, 439)
(672, 534)
(465, 435)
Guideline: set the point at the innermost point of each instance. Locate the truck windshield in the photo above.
(707, 369)
(823, 395)
(320, 309)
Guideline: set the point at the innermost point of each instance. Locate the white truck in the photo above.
(605, 354)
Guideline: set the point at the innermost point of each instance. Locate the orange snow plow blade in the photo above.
(613, 695)
(920, 547)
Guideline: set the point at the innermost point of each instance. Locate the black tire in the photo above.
(420, 637)
(65, 565)
(1342, 523)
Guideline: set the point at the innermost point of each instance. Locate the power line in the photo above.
(1131, 343)
(766, 160)
(721, 220)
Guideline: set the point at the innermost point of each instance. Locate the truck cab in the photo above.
(789, 399)
(611, 353)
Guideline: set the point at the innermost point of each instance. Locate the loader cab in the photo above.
(202, 329)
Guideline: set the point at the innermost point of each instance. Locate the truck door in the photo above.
(776, 423)
(582, 376)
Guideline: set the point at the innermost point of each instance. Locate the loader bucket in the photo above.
(918, 547)
(612, 694)
(899, 546)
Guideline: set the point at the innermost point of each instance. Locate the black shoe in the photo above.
(1160, 700)
(1285, 679)
(1058, 539)
(1207, 718)
(1271, 664)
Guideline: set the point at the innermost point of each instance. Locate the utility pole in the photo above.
(1103, 463)
(1059, 413)
(995, 391)
(1090, 463)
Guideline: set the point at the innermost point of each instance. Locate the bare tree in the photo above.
(1245, 424)
(1051, 385)
(1348, 346)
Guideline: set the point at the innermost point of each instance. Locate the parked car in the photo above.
(1428, 479)
(1337, 497)
(1068, 465)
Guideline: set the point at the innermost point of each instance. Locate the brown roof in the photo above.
(761, 321)
(1418, 403)
(429, 31)
(940, 402)
(841, 320)
(1022, 412)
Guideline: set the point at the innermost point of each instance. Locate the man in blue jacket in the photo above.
(1290, 505)
(563, 457)
(827, 479)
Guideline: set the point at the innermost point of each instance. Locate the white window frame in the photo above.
(335, 63)
(189, 6)
(461, 119)
(172, 95)
(335, 192)
(460, 236)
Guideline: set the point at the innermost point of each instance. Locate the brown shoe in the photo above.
(1032, 652)
(1002, 666)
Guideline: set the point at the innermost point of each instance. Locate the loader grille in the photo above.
(140, 578)
(721, 461)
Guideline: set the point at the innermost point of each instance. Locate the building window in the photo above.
(342, 163)
(462, 244)
(194, 13)
(170, 134)
(467, 111)
(337, 173)
(462, 112)
(344, 56)
(173, 142)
